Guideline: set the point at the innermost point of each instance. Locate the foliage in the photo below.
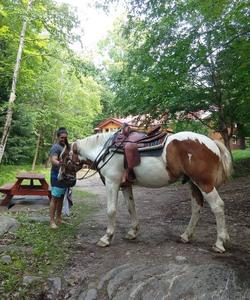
(178, 58)
(48, 249)
(56, 87)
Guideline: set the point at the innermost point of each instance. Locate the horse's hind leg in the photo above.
(128, 196)
(112, 195)
(196, 204)
(217, 207)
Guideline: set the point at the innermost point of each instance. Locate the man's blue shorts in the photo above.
(57, 191)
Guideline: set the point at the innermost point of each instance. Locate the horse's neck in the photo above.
(91, 146)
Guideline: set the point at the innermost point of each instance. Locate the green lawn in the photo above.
(241, 154)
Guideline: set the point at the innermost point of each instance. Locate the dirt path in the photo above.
(157, 265)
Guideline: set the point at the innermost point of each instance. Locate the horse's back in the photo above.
(188, 137)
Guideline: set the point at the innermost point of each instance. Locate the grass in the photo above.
(49, 249)
(241, 154)
(241, 163)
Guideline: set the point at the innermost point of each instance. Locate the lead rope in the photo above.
(99, 158)
(97, 170)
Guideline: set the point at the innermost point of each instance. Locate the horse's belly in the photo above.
(151, 172)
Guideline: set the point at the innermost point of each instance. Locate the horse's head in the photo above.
(70, 164)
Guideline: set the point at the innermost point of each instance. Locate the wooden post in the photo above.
(37, 151)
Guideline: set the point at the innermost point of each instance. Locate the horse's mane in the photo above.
(95, 139)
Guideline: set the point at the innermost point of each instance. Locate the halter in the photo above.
(94, 165)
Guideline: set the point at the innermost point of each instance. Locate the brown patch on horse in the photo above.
(75, 158)
(195, 160)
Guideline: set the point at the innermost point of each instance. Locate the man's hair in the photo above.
(60, 131)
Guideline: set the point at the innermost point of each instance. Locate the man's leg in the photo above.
(59, 206)
(52, 209)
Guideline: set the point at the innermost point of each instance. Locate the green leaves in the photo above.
(183, 56)
(55, 86)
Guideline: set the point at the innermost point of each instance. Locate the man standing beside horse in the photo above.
(58, 188)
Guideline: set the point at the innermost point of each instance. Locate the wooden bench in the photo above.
(13, 189)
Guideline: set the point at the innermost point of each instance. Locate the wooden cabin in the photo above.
(114, 124)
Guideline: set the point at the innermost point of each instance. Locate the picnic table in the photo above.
(22, 188)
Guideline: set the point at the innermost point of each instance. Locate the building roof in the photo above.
(131, 120)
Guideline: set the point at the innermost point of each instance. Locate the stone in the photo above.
(14, 248)
(111, 274)
(172, 281)
(53, 287)
(29, 279)
(39, 219)
(82, 296)
(56, 283)
(91, 295)
(6, 259)
(8, 224)
(181, 259)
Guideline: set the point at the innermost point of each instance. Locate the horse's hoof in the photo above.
(184, 239)
(130, 236)
(102, 244)
(220, 249)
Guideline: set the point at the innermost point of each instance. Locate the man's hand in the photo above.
(56, 162)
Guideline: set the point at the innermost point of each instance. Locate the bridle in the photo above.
(93, 165)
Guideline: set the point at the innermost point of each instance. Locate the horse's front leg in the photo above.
(112, 195)
(128, 196)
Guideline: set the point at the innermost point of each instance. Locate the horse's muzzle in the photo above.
(68, 180)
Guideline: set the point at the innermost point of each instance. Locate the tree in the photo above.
(177, 59)
(12, 97)
(48, 22)
(58, 98)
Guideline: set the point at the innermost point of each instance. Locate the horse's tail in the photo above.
(225, 168)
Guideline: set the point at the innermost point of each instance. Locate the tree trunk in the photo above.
(241, 135)
(242, 142)
(36, 152)
(8, 119)
(226, 139)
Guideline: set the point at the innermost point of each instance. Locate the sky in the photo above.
(95, 23)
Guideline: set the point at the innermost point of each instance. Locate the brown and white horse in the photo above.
(206, 163)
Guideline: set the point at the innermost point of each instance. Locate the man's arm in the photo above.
(55, 161)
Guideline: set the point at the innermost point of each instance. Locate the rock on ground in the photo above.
(8, 224)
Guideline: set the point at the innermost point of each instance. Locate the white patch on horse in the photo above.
(189, 157)
(188, 135)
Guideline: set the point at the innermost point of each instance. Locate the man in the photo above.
(58, 188)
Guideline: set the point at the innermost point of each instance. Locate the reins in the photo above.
(98, 159)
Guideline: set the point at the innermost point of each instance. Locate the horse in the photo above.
(203, 162)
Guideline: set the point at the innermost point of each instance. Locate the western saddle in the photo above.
(133, 144)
